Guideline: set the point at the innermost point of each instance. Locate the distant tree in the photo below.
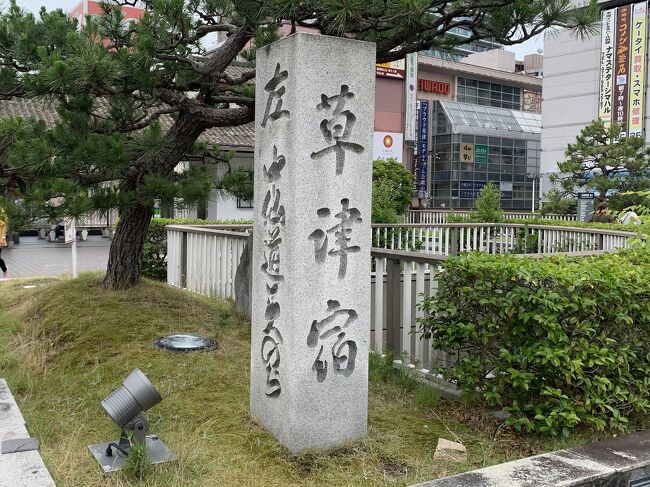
(558, 204)
(602, 160)
(112, 83)
(488, 205)
(392, 189)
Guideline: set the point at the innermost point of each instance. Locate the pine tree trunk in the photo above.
(125, 255)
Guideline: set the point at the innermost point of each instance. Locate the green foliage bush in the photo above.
(557, 342)
(392, 188)
(154, 252)
(488, 205)
(558, 204)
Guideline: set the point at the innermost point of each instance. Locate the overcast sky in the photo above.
(529, 47)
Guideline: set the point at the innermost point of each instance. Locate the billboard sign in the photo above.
(622, 67)
(423, 148)
(623, 52)
(637, 69)
(480, 154)
(585, 206)
(393, 69)
(607, 57)
(466, 152)
(411, 95)
(387, 145)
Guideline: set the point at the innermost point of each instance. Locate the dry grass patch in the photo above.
(65, 345)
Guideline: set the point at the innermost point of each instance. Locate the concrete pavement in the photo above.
(33, 257)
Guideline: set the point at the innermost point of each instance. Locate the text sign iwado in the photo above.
(311, 239)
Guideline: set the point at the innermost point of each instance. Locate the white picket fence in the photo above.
(204, 259)
(442, 216)
(496, 238)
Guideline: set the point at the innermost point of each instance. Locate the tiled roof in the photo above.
(242, 136)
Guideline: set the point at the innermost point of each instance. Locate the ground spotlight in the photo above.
(125, 406)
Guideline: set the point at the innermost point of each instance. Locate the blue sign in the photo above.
(423, 147)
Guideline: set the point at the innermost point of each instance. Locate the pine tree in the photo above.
(602, 160)
(133, 98)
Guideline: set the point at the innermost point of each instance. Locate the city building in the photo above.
(475, 124)
(599, 77)
(92, 8)
(456, 125)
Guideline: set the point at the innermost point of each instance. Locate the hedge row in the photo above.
(557, 342)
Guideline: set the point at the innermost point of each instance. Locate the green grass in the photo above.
(65, 345)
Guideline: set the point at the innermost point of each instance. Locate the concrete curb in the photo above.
(24, 468)
(610, 463)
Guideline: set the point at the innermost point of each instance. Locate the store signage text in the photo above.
(431, 86)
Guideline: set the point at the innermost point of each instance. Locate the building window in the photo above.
(244, 203)
(488, 94)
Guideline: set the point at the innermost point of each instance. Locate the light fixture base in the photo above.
(157, 452)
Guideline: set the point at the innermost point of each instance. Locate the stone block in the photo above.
(244, 279)
(311, 239)
(9, 412)
(450, 451)
(25, 469)
(17, 445)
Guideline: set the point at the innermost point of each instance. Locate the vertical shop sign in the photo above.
(637, 69)
(622, 67)
(423, 148)
(607, 57)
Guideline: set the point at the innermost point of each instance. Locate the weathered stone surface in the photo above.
(244, 279)
(24, 469)
(12, 431)
(17, 445)
(610, 463)
(9, 412)
(450, 451)
(311, 250)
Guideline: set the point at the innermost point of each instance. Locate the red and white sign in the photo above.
(388, 145)
(431, 86)
(393, 69)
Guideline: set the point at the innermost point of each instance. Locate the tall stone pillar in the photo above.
(311, 240)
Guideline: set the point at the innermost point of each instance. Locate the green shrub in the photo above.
(392, 188)
(558, 342)
(556, 203)
(488, 205)
(154, 252)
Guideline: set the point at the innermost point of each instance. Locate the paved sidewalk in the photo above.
(33, 257)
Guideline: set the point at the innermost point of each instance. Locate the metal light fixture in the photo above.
(126, 406)
(186, 342)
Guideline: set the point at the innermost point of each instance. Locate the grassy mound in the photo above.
(64, 345)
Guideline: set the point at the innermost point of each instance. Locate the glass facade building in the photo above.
(489, 94)
(473, 144)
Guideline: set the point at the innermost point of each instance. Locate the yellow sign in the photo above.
(466, 152)
(637, 70)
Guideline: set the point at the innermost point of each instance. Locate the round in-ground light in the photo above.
(186, 342)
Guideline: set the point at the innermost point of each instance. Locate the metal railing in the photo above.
(442, 216)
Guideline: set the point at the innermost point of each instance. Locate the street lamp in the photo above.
(535, 177)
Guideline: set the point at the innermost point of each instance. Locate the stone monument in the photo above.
(311, 240)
